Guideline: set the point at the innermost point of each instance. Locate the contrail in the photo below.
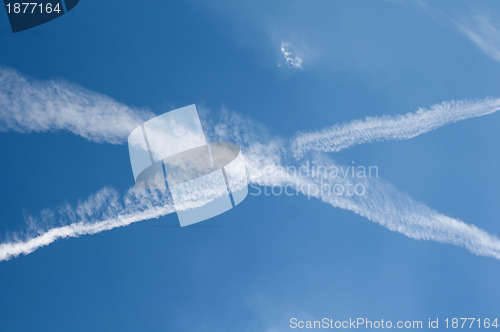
(270, 164)
(102, 211)
(269, 161)
(380, 203)
(400, 127)
(30, 105)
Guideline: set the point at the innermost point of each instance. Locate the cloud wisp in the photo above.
(483, 32)
(267, 161)
(385, 128)
(29, 105)
(476, 25)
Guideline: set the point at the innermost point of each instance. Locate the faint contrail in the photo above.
(399, 127)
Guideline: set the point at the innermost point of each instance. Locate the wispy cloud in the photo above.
(478, 26)
(400, 127)
(290, 56)
(30, 105)
(482, 31)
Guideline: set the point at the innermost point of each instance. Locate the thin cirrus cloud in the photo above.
(268, 164)
(400, 127)
(476, 25)
(483, 32)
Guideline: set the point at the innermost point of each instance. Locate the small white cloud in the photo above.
(291, 58)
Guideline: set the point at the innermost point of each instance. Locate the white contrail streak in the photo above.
(380, 203)
(30, 105)
(400, 127)
(102, 211)
(13, 249)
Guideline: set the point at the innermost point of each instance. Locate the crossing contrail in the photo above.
(269, 161)
(29, 105)
(386, 128)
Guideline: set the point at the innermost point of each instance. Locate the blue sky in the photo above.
(271, 258)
